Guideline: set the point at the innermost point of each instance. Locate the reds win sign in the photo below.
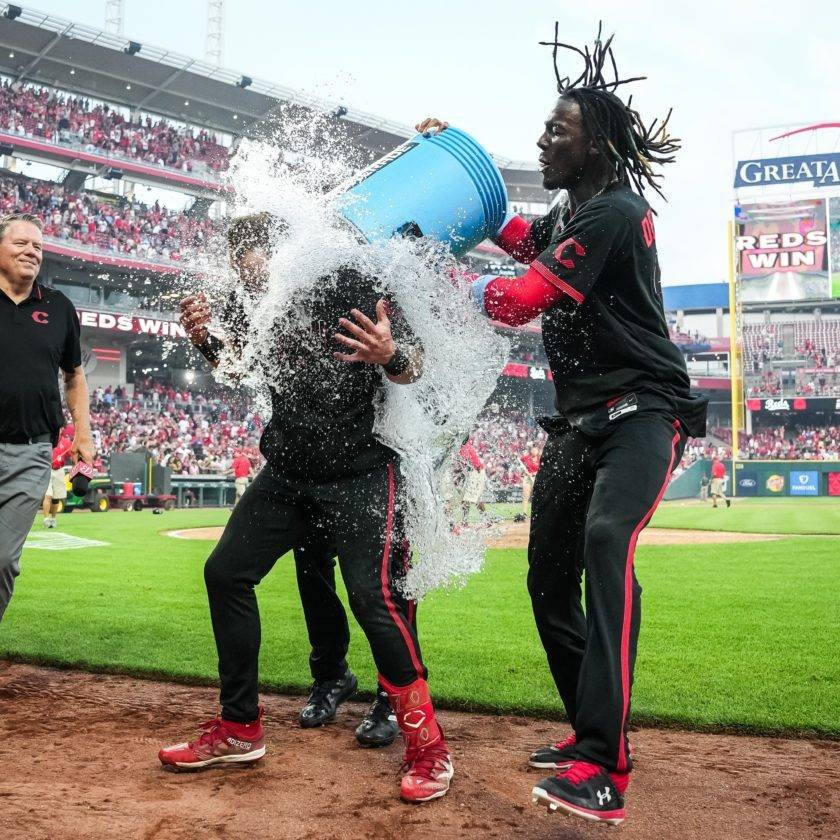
(112, 322)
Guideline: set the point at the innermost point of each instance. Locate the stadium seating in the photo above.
(111, 226)
(74, 121)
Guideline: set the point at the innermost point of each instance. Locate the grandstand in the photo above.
(87, 131)
(123, 157)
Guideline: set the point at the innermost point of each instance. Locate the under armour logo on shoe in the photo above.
(603, 795)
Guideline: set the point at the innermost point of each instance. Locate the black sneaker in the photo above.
(325, 698)
(379, 726)
(558, 756)
(585, 790)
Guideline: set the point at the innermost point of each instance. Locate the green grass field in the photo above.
(734, 636)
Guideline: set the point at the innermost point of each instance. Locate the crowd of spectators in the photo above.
(817, 357)
(768, 383)
(194, 433)
(684, 338)
(787, 443)
(198, 433)
(39, 112)
(116, 225)
(191, 433)
(801, 443)
(501, 439)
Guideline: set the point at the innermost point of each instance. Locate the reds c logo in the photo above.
(568, 262)
(40, 317)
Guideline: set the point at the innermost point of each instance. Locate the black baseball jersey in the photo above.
(607, 340)
(37, 337)
(322, 408)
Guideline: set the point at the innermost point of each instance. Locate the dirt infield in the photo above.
(515, 535)
(78, 753)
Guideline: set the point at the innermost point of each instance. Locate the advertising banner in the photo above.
(775, 405)
(804, 483)
(834, 484)
(775, 484)
(834, 244)
(747, 483)
(782, 251)
(122, 322)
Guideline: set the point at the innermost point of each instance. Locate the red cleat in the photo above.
(427, 765)
(221, 742)
(427, 773)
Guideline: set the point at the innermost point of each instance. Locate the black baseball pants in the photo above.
(592, 497)
(360, 513)
(323, 611)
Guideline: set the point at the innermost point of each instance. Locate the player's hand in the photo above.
(431, 125)
(82, 449)
(195, 315)
(372, 343)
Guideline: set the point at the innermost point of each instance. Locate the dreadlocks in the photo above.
(616, 128)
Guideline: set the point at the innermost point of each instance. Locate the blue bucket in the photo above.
(442, 185)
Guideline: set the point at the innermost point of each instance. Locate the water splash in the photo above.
(425, 422)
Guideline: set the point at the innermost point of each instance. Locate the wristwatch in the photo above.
(211, 348)
(398, 364)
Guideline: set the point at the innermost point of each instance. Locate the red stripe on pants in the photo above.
(621, 764)
(385, 577)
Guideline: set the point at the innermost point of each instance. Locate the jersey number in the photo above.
(648, 232)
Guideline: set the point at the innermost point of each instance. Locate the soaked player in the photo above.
(624, 411)
(324, 469)
(326, 620)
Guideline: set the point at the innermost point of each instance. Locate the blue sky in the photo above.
(722, 65)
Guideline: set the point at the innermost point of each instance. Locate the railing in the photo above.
(102, 256)
(200, 175)
(203, 490)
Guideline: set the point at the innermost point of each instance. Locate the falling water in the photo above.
(425, 422)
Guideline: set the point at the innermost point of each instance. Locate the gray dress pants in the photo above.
(24, 475)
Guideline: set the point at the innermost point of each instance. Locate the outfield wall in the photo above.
(763, 478)
(787, 478)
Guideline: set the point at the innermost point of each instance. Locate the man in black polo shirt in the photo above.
(39, 332)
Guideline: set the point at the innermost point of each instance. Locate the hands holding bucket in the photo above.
(431, 125)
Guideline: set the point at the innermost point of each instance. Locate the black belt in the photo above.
(44, 438)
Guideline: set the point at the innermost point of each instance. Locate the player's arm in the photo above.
(195, 316)
(565, 272)
(374, 343)
(76, 393)
(78, 401)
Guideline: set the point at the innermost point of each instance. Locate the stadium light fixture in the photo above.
(244, 82)
(236, 116)
(186, 103)
(13, 12)
(133, 48)
(72, 71)
(11, 55)
(128, 87)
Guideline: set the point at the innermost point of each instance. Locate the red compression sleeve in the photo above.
(518, 300)
(515, 239)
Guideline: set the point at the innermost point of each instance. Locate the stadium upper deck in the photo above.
(49, 50)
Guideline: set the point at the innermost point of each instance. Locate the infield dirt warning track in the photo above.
(78, 753)
(515, 535)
